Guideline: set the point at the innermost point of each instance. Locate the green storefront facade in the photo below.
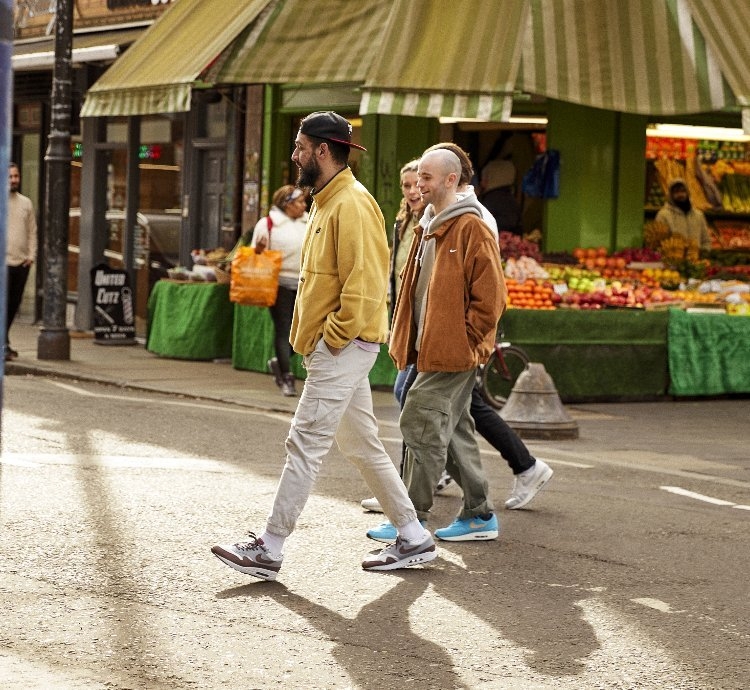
(282, 59)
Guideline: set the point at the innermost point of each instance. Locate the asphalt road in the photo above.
(628, 571)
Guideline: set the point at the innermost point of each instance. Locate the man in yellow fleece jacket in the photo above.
(340, 320)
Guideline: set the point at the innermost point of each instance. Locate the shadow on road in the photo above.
(379, 649)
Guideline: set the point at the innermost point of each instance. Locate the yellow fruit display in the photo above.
(676, 249)
(654, 233)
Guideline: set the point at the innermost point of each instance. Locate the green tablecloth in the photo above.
(190, 320)
(252, 347)
(601, 355)
(709, 354)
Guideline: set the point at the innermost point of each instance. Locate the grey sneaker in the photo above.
(251, 557)
(371, 504)
(528, 484)
(401, 554)
(275, 369)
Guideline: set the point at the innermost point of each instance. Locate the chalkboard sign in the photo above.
(114, 311)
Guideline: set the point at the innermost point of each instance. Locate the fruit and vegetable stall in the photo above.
(637, 323)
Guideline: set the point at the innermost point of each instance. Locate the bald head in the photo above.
(438, 175)
(445, 161)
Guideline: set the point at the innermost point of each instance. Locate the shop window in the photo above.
(157, 235)
(216, 119)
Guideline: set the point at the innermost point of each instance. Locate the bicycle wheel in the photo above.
(498, 380)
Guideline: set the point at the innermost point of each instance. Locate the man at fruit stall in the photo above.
(681, 218)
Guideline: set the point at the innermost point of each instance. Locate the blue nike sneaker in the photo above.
(386, 532)
(470, 529)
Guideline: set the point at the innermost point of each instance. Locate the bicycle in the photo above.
(497, 377)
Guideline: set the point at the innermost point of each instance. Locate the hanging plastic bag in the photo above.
(542, 180)
(255, 277)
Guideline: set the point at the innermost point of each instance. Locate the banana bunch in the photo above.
(654, 233)
(721, 168)
(676, 249)
(736, 190)
(667, 169)
(697, 193)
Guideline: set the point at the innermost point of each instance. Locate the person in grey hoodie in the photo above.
(445, 320)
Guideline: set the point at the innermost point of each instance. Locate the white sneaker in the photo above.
(443, 483)
(528, 484)
(372, 505)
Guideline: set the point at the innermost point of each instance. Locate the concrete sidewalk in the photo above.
(132, 366)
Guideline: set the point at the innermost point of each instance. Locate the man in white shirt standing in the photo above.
(20, 250)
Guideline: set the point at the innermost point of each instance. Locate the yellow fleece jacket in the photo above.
(344, 269)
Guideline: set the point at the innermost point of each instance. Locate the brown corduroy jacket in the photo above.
(466, 296)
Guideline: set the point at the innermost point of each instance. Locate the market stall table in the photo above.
(595, 355)
(252, 347)
(190, 320)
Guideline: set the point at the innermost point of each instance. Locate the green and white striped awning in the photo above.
(306, 42)
(488, 107)
(157, 73)
(445, 58)
(726, 27)
(634, 56)
(391, 49)
(456, 58)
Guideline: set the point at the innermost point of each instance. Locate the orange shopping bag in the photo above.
(255, 277)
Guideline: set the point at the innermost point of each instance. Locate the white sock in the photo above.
(274, 543)
(413, 532)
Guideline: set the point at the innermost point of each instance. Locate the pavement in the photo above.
(569, 565)
(134, 367)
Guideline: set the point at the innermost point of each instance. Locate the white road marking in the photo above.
(116, 461)
(164, 400)
(643, 461)
(739, 507)
(657, 604)
(698, 497)
(485, 451)
(567, 463)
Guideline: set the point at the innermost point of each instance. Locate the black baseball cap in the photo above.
(328, 125)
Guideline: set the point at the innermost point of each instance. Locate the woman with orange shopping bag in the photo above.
(283, 230)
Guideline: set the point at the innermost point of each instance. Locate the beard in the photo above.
(309, 174)
(14, 187)
(684, 206)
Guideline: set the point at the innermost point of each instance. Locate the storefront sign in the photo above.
(114, 311)
(36, 17)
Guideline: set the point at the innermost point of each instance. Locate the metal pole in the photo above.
(54, 338)
(132, 201)
(6, 88)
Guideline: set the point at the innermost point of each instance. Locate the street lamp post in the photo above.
(54, 338)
